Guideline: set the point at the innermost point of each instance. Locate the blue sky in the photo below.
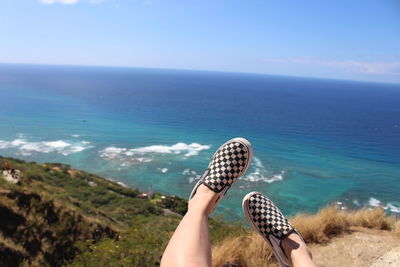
(358, 40)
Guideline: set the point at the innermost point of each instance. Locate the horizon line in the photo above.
(198, 70)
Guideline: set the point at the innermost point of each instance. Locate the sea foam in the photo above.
(373, 202)
(192, 149)
(392, 207)
(163, 170)
(193, 176)
(260, 173)
(26, 148)
(146, 154)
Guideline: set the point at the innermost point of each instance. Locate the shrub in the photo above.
(376, 219)
(175, 204)
(320, 227)
(139, 246)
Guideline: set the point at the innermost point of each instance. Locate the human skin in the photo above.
(190, 244)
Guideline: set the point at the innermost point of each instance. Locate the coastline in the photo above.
(102, 214)
(138, 127)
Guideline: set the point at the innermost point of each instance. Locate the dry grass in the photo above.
(246, 250)
(11, 244)
(251, 250)
(375, 219)
(396, 228)
(322, 226)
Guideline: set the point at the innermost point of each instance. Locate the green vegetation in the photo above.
(60, 216)
(57, 216)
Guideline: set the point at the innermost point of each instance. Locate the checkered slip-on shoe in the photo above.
(228, 163)
(268, 221)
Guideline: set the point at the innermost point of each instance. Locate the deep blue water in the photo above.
(316, 141)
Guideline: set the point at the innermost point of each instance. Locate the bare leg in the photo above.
(297, 251)
(190, 243)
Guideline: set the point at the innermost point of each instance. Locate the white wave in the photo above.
(163, 170)
(124, 155)
(10, 144)
(142, 159)
(191, 179)
(374, 202)
(189, 172)
(392, 208)
(257, 162)
(389, 206)
(112, 152)
(257, 176)
(192, 149)
(26, 147)
(193, 176)
(75, 135)
(261, 174)
(146, 154)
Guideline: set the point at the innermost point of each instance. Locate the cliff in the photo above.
(57, 216)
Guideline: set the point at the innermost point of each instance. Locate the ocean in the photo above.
(316, 141)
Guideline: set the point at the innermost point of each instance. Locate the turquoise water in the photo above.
(316, 141)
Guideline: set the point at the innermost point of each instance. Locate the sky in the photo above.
(341, 39)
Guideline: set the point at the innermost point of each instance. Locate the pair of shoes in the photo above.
(231, 161)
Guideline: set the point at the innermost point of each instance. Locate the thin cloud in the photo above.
(68, 2)
(391, 68)
(64, 2)
(354, 66)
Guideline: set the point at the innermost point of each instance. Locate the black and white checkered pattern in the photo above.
(228, 164)
(266, 217)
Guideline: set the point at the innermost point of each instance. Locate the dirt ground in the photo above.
(363, 247)
(391, 258)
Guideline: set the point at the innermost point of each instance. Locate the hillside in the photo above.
(55, 213)
(57, 216)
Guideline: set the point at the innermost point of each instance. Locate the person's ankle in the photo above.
(292, 241)
(203, 201)
(295, 247)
